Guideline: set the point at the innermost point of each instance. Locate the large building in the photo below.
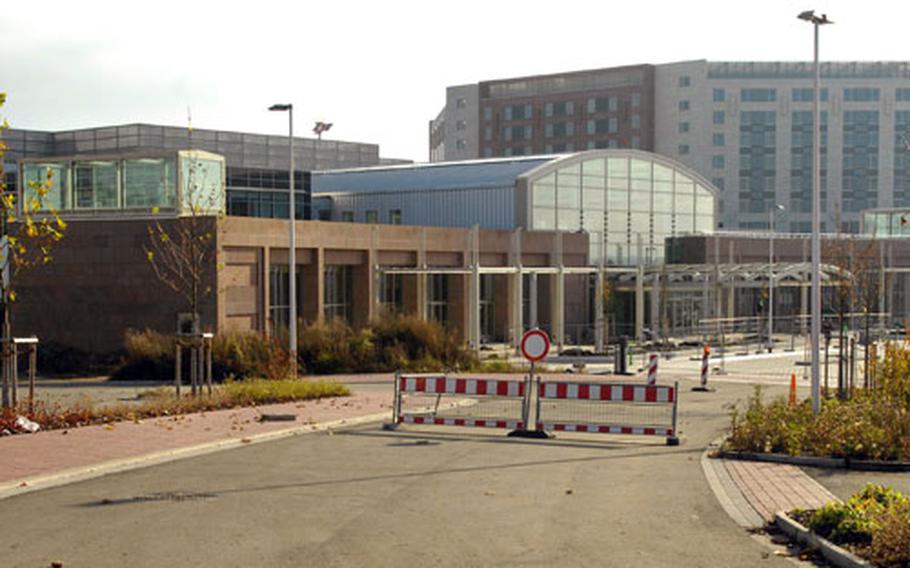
(257, 164)
(746, 126)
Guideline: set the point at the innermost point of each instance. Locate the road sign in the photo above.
(535, 344)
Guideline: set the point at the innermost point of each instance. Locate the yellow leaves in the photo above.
(150, 256)
(12, 295)
(156, 210)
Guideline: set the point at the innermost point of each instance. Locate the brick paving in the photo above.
(27, 456)
(773, 487)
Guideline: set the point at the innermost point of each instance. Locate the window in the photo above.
(861, 95)
(461, 144)
(683, 149)
(902, 95)
(807, 95)
(565, 108)
(96, 185)
(461, 124)
(518, 112)
(718, 139)
(603, 104)
(613, 126)
(487, 133)
(719, 182)
(338, 291)
(719, 116)
(683, 127)
(720, 95)
(438, 298)
(636, 121)
(685, 81)
(487, 113)
(149, 183)
(372, 216)
(758, 95)
(612, 104)
(636, 100)
(683, 105)
(636, 142)
(391, 287)
(558, 129)
(717, 162)
(461, 102)
(347, 216)
(394, 216)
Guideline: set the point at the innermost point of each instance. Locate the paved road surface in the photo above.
(370, 498)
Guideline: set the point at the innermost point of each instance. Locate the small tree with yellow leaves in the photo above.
(28, 231)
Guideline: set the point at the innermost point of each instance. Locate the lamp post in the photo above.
(292, 244)
(816, 303)
(777, 207)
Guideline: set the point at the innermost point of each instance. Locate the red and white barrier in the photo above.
(652, 369)
(647, 410)
(447, 385)
(607, 392)
(460, 411)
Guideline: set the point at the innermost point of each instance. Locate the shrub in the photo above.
(412, 344)
(58, 359)
(891, 543)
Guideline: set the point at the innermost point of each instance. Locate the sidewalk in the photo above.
(752, 492)
(54, 457)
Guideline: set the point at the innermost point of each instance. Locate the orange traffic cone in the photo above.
(792, 400)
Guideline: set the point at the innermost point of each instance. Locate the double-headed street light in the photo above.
(292, 245)
(816, 309)
(771, 212)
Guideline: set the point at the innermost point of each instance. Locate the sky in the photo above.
(376, 70)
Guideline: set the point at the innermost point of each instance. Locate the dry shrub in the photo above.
(890, 546)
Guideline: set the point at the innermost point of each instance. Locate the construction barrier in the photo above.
(440, 400)
(609, 408)
(652, 369)
(703, 382)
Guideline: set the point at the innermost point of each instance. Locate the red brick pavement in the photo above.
(773, 487)
(48, 453)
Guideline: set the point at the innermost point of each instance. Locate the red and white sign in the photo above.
(535, 344)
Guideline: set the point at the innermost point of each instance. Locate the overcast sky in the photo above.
(378, 69)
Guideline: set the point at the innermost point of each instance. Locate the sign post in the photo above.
(535, 344)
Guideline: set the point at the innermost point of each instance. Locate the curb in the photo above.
(73, 475)
(830, 551)
(812, 461)
(727, 493)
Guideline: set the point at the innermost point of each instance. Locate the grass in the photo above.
(162, 402)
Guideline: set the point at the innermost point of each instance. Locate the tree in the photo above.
(28, 230)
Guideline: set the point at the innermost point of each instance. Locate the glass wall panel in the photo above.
(203, 185)
(544, 191)
(641, 169)
(663, 223)
(704, 201)
(618, 167)
(544, 219)
(704, 223)
(567, 189)
(662, 173)
(593, 196)
(685, 203)
(618, 224)
(685, 223)
(56, 197)
(593, 168)
(96, 185)
(149, 183)
(593, 221)
(568, 220)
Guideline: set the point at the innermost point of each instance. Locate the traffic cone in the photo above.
(792, 400)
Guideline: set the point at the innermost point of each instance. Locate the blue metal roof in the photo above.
(441, 176)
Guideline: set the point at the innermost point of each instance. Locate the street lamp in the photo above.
(816, 309)
(292, 245)
(777, 207)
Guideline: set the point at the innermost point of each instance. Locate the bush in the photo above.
(150, 357)
(891, 543)
(412, 344)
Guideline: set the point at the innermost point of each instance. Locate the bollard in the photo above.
(792, 399)
(705, 356)
(652, 369)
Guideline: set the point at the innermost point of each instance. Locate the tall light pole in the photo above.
(816, 303)
(292, 245)
(777, 207)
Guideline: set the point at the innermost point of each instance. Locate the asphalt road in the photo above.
(428, 497)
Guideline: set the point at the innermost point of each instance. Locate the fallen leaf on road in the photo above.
(65, 432)
(23, 484)
(108, 427)
(245, 440)
(569, 492)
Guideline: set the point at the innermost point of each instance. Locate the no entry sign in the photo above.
(535, 344)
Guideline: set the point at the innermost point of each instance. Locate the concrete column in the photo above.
(265, 310)
(599, 312)
(655, 305)
(313, 288)
(532, 301)
(640, 302)
(459, 305)
(516, 315)
(557, 309)
(364, 290)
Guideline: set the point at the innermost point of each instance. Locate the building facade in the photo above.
(256, 165)
(746, 126)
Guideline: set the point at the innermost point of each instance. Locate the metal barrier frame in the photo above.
(441, 384)
(611, 392)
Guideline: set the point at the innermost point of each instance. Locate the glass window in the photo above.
(683, 105)
(592, 196)
(568, 220)
(347, 216)
(718, 162)
(718, 139)
(487, 133)
(203, 184)
(662, 173)
(544, 191)
(96, 185)
(618, 168)
(685, 81)
(758, 95)
(149, 183)
(338, 286)
(613, 126)
(372, 216)
(683, 149)
(807, 95)
(683, 127)
(567, 183)
(487, 113)
(719, 116)
(56, 197)
(636, 100)
(438, 298)
(636, 121)
(544, 219)
(636, 142)
(593, 168)
(641, 169)
(862, 95)
(612, 104)
(902, 95)
(395, 217)
(720, 95)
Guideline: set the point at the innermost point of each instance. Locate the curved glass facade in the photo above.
(628, 204)
(886, 222)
